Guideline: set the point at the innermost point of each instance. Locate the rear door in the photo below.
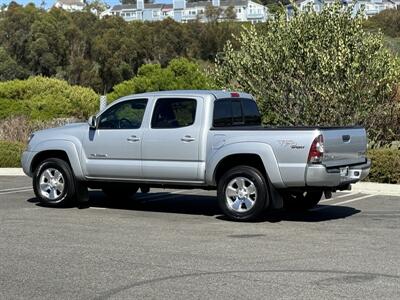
(170, 147)
(344, 146)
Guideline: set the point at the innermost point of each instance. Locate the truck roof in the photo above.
(218, 94)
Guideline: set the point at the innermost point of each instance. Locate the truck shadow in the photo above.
(329, 213)
(208, 206)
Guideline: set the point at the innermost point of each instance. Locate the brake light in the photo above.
(235, 94)
(316, 150)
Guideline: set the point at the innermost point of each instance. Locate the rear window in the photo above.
(236, 112)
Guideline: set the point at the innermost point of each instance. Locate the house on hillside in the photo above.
(140, 11)
(373, 7)
(367, 7)
(183, 11)
(70, 5)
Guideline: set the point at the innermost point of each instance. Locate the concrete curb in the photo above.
(11, 172)
(376, 188)
(361, 187)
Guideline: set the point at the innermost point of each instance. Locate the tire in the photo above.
(120, 191)
(54, 183)
(242, 193)
(302, 201)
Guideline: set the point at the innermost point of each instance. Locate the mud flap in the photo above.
(276, 197)
(82, 193)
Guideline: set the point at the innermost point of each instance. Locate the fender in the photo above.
(68, 147)
(263, 150)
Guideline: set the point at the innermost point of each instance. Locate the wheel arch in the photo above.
(64, 150)
(258, 155)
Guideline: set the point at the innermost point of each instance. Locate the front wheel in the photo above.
(302, 200)
(242, 193)
(53, 183)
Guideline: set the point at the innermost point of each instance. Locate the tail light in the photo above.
(316, 150)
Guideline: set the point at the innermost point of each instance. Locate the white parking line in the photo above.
(338, 197)
(345, 195)
(343, 202)
(17, 188)
(355, 199)
(17, 191)
(174, 194)
(165, 194)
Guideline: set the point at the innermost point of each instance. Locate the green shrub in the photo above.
(10, 154)
(41, 98)
(385, 165)
(316, 69)
(179, 74)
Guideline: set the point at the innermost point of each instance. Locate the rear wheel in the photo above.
(242, 193)
(54, 183)
(120, 191)
(302, 200)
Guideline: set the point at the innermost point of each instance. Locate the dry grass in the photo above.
(18, 129)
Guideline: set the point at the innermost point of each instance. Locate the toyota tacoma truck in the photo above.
(195, 139)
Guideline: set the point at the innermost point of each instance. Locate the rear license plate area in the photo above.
(344, 172)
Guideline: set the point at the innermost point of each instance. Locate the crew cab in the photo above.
(195, 139)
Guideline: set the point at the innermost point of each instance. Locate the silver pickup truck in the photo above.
(196, 139)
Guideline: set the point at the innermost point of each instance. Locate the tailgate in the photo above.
(344, 146)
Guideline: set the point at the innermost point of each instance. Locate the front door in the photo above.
(113, 149)
(170, 147)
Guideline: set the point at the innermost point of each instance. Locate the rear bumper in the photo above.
(320, 176)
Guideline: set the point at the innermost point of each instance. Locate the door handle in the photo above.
(133, 138)
(188, 138)
(346, 138)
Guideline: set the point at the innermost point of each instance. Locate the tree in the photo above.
(212, 13)
(179, 74)
(316, 69)
(100, 53)
(276, 8)
(388, 21)
(43, 4)
(9, 68)
(134, 1)
(274, 2)
(96, 6)
(230, 13)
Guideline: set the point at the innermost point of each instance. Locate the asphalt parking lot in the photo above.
(175, 244)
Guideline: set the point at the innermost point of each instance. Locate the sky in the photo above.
(51, 2)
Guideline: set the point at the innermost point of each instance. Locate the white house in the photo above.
(140, 11)
(181, 11)
(373, 7)
(245, 10)
(70, 5)
(367, 7)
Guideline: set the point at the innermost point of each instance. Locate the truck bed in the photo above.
(284, 128)
(343, 145)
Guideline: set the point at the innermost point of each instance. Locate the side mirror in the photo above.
(92, 122)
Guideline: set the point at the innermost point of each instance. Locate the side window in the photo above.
(251, 114)
(236, 112)
(124, 115)
(174, 113)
